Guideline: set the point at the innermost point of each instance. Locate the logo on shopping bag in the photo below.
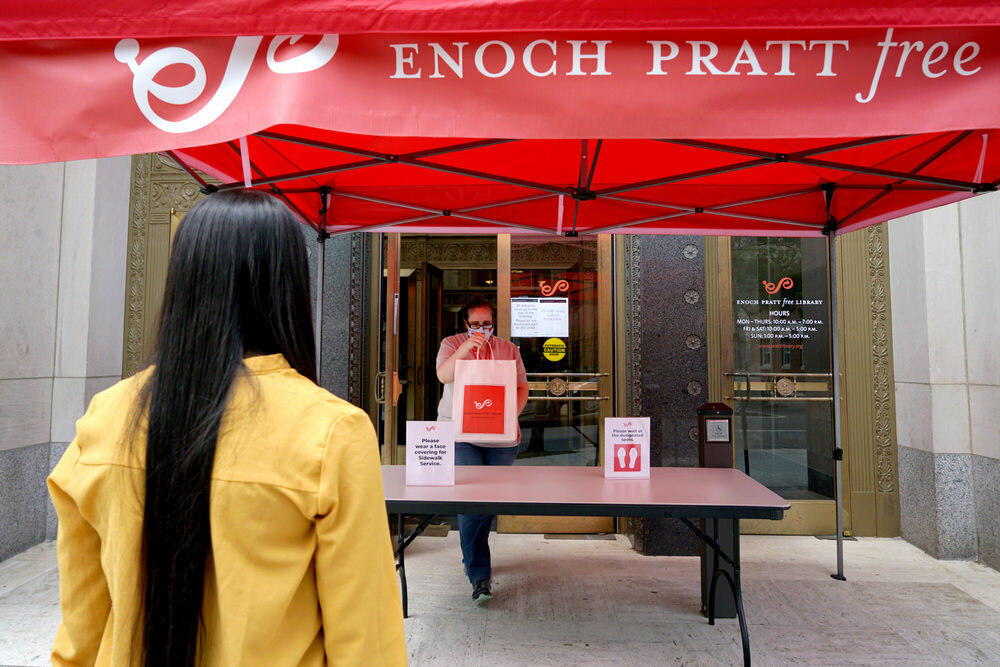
(628, 457)
(482, 411)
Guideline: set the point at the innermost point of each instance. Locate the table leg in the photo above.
(403, 541)
(401, 564)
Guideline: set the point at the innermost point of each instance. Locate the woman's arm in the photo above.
(355, 570)
(83, 589)
(522, 397)
(446, 369)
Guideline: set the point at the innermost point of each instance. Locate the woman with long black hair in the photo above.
(219, 508)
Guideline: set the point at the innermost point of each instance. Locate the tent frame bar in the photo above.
(903, 181)
(793, 158)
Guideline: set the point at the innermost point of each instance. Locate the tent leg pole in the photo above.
(838, 451)
(318, 315)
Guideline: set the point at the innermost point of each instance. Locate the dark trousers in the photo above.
(474, 529)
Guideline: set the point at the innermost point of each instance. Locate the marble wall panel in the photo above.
(956, 511)
(950, 419)
(984, 414)
(674, 365)
(335, 372)
(986, 472)
(25, 416)
(941, 272)
(94, 385)
(941, 503)
(30, 205)
(107, 276)
(56, 450)
(917, 503)
(914, 425)
(981, 275)
(22, 497)
(67, 406)
(909, 300)
(75, 256)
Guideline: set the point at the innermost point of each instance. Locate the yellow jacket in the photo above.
(301, 570)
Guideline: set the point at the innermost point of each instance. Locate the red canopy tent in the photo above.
(734, 117)
(777, 118)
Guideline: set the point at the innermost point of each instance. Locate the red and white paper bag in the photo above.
(485, 407)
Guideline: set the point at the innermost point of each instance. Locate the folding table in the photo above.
(684, 493)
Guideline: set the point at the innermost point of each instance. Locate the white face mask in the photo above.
(486, 331)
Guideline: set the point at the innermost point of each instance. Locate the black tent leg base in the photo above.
(733, 580)
(734, 585)
(838, 577)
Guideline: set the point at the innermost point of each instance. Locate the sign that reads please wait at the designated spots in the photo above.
(430, 454)
(626, 448)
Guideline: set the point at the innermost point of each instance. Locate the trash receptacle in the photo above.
(715, 450)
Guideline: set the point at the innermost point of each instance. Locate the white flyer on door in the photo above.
(626, 448)
(430, 454)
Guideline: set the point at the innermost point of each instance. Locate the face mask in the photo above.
(486, 331)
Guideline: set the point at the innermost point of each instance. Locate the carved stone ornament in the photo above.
(158, 185)
(355, 364)
(881, 389)
(136, 270)
(633, 328)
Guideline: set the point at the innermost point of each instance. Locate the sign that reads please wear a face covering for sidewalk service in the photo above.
(626, 441)
(430, 454)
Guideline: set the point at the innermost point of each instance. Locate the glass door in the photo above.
(550, 295)
(559, 296)
(781, 382)
(425, 282)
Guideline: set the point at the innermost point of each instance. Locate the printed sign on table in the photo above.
(430, 454)
(626, 447)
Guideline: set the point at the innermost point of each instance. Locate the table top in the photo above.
(706, 493)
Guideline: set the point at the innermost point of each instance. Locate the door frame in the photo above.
(384, 405)
(869, 485)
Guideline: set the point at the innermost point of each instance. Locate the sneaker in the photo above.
(481, 590)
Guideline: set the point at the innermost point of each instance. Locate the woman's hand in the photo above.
(475, 342)
(446, 371)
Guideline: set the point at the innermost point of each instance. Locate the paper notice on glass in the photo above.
(626, 447)
(430, 454)
(540, 317)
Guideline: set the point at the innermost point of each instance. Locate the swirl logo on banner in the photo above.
(240, 61)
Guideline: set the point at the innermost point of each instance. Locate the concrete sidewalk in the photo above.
(596, 602)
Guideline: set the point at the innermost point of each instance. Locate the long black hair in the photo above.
(238, 283)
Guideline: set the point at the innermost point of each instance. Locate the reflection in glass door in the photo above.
(551, 296)
(782, 392)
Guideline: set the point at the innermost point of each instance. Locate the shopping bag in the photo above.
(485, 403)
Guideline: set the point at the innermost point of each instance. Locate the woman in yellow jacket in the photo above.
(220, 508)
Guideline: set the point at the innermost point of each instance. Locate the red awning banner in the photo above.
(71, 19)
(725, 117)
(139, 95)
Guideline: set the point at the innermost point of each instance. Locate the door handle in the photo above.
(397, 388)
